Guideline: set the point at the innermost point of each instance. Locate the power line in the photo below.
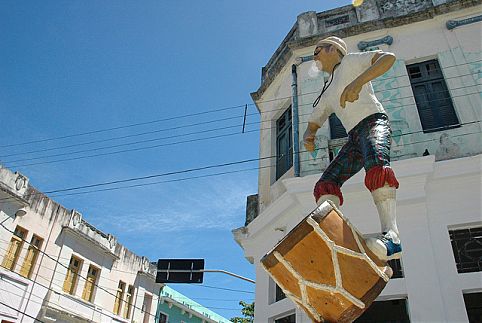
(155, 297)
(78, 275)
(167, 137)
(123, 127)
(130, 150)
(189, 171)
(202, 113)
(125, 136)
(144, 148)
(161, 145)
(23, 257)
(226, 172)
(19, 311)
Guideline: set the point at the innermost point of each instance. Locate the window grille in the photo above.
(467, 249)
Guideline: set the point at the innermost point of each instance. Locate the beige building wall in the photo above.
(65, 234)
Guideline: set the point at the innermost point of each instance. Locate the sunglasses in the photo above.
(320, 48)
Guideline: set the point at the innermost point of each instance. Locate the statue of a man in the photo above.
(349, 94)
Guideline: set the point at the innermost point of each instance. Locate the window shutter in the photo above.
(31, 258)
(27, 264)
(71, 276)
(432, 97)
(284, 143)
(88, 292)
(12, 254)
(68, 281)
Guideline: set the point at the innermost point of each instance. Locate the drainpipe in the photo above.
(294, 107)
(296, 121)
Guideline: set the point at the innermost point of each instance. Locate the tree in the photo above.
(247, 311)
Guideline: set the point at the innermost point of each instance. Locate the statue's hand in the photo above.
(351, 93)
(309, 142)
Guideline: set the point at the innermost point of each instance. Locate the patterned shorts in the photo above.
(368, 146)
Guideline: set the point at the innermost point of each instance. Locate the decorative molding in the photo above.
(385, 40)
(82, 236)
(21, 181)
(75, 219)
(452, 24)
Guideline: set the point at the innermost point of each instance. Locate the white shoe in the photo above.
(384, 247)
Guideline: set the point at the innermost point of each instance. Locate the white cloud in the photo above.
(208, 204)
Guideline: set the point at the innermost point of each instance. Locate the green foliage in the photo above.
(247, 311)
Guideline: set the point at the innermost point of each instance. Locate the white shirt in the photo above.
(351, 66)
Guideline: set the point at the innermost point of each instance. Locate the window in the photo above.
(386, 311)
(473, 305)
(433, 100)
(466, 246)
(162, 318)
(32, 255)
(14, 248)
(129, 298)
(336, 127)
(284, 144)
(72, 275)
(146, 305)
(396, 267)
(119, 297)
(90, 282)
(287, 319)
(279, 294)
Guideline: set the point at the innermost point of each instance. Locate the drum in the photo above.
(325, 267)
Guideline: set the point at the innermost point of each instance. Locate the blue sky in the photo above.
(70, 67)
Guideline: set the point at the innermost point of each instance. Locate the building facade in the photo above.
(432, 95)
(175, 307)
(56, 267)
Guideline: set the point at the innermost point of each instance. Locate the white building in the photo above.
(433, 97)
(56, 267)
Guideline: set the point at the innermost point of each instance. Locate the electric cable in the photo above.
(191, 170)
(67, 267)
(126, 302)
(105, 278)
(192, 125)
(84, 278)
(21, 312)
(200, 113)
(156, 139)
